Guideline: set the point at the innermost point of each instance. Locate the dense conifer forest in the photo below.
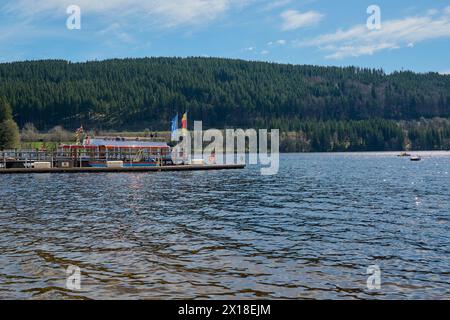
(316, 108)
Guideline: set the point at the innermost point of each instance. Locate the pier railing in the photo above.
(78, 157)
(25, 157)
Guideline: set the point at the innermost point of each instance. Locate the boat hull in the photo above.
(125, 165)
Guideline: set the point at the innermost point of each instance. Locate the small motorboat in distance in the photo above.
(404, 154)
(415, 158)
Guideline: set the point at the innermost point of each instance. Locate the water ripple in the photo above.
(309, 232)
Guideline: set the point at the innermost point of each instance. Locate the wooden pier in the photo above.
(97, 159)
(123, 169)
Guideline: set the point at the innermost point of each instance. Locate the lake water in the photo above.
(309, 232)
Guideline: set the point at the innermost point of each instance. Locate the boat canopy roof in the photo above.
(118, 143)
(96, 142)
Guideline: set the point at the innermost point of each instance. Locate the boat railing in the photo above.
(80, 156)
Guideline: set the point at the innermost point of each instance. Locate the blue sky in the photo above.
(414, 35)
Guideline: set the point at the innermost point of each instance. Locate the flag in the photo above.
(78, 134)
(174, 128)
(80, 130)
(184, 123)
(87, 141)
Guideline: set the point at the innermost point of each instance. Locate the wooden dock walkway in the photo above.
(123, 169)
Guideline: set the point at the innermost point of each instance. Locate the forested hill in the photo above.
(146, 93)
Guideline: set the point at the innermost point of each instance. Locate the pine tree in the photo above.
(5, 110)
(9, 131)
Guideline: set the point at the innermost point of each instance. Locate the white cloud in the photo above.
(358, 40)
(445, 72)
(447, 10)
(117, 31)
(293, 19)
(276, 4)
(166, 13)
(264, 52)
(280, 42)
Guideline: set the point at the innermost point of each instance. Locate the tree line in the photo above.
(368, 135)
(131, 94)
(325, 108)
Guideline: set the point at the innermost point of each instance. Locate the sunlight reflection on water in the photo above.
(309, 232)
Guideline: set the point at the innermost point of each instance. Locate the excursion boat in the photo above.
(415, 158)
(106, 152)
